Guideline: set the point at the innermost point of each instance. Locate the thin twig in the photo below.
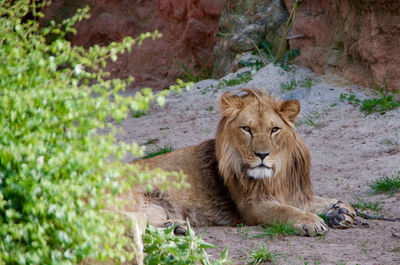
(301, 35)
(258, 50)
(289, 23)
(376, 217)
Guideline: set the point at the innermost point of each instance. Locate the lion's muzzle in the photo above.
(262, 171)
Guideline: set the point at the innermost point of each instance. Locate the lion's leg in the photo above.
(321, 205)
(270, 212)
(340, 214)
(158, 217)
(135, 232)
(155, 214)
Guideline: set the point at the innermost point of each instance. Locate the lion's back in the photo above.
(206, 201)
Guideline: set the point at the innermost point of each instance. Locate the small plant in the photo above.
(309, 119)
(239, 79)
(364, 246)
(265, 51)
(391, 142)
(163, 247)
(387, 184)
(138, 114)
(301, 259)
(289, 56)
(151, 141)
(160, 151)
(278, 229)
(266, 55)
(396, 249)
(306, 83)
(204, 91)
(288, 86)
(261, 254)
(227, 232)
(243, 232)
(253, 63)
(210, 108)
(189, 75)
(363, 204)
(381, 105)
(351, 98)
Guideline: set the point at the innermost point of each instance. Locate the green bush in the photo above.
(261, 254)
(384, 103)
(55, 170)
(163, 247)
(277, 229)
(387, 184)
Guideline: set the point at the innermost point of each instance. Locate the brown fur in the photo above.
(256, 171)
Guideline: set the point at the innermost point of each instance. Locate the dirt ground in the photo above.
(349, 150)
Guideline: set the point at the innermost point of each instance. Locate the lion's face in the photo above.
(257, 135)
(258, 128)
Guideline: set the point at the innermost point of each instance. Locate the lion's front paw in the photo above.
(310, 225)
(341, 215)
(180, 226)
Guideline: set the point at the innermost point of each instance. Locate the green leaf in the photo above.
(161, 100)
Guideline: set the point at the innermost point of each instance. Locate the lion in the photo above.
(256, 171)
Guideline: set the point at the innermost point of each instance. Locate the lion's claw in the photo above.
(312, 226)
(341, 215)
(314, 229)
(343, 211)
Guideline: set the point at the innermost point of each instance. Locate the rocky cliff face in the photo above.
(189, 34)
(357, 38)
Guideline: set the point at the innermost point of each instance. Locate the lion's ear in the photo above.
(230, 104)
(290, 108)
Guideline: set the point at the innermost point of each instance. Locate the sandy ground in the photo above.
(349, 151)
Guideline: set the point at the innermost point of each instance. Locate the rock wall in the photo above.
(189, 30)
(357, 38)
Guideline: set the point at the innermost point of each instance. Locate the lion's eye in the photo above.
(274, 130)
(246, 128)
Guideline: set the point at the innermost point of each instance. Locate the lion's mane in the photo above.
(291, 181)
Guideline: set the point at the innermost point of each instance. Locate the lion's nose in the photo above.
(261, 155)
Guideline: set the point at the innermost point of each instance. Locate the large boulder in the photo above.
(188, 27)
(243, 25)
(357, 39)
